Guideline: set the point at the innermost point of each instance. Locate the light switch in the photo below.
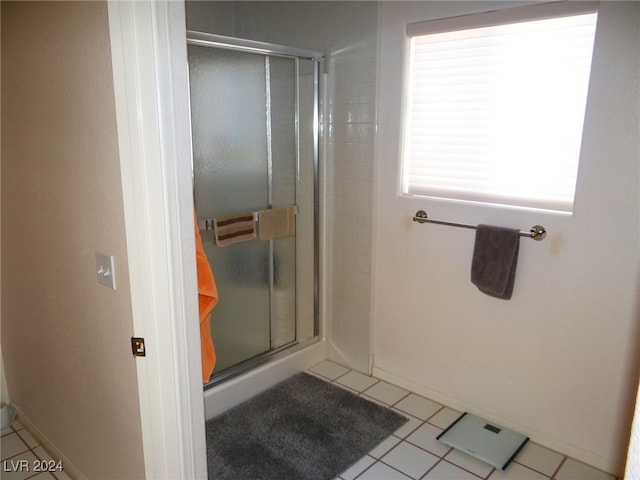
(105, 268)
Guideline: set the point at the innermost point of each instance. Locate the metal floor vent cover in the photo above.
(490, 443)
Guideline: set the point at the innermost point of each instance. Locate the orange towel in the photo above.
(207, 299)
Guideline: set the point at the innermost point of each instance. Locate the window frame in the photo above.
(497, 17)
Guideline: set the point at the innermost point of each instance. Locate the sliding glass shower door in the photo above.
(248, 148)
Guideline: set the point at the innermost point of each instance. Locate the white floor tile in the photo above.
(357, 468)
(17, 425)
(425, 438)
(12, 445)
(539, 458)
(418, 406)
(410, 460)
(447, 471)
(445, 417)
(356, 381)
(574, 470)
(19, 467)
(28, 439)
(385, 446)
(329, 369)
(386, 393)
(380, 471)
(467, 462)
(515, 471)
(344, 387)
(408, 427)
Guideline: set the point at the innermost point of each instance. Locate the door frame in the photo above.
(148, 43)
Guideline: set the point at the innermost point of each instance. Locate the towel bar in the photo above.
(208, 223)
(537, 232)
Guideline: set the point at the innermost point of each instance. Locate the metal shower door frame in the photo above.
(268, 49)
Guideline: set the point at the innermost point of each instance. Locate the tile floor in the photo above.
(23, 457)
(413, 452)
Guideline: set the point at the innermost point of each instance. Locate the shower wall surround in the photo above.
(347, 33)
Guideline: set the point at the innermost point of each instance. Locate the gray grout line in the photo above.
(392, 406)
(433, 466)
(537, 471)
(461, 467)
(559, 467)
(29, 449)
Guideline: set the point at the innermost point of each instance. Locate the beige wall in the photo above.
(65, 338)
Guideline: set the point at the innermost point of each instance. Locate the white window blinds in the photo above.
(495, 107)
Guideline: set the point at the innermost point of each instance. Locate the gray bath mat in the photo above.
(303, 428)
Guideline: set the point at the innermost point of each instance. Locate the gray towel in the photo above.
(495, 257)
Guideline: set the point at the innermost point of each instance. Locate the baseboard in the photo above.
(69, 468)
(601, 463)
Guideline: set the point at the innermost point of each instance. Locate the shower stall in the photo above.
(255, 130)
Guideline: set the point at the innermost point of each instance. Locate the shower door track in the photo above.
(234, 43)
(244, 45)
(258, 360)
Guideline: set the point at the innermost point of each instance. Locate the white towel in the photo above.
(232, 229)
(277, 222)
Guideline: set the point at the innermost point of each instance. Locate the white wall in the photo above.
(213, 17)
(559, 359)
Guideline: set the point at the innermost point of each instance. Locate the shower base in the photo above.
(220, 398)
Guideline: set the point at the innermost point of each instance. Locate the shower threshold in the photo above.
(253, 362)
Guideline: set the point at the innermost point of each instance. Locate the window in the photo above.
(496, 103)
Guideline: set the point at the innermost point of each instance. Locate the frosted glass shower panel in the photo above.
(244, 109)
(231, 176)
(228, 128)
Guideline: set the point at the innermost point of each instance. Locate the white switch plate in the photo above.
(105, 269)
